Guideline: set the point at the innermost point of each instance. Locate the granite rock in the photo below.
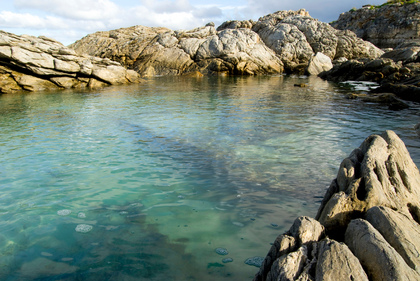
(38, 63)
(367, 226)
(386, 26)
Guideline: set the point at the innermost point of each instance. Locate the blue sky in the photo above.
(70, 20)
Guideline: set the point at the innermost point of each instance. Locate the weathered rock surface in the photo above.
(377, 256)
(283, 41)
(39, 63)
(386, 27)
(367, 226)
(319, 63)
(389, 26)
(397, 71)
(152, 51)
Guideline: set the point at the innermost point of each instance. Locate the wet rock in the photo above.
(83, 228)
(254, 261)
(221, 251)
(38, 63)
(389, 99)
(227, 260)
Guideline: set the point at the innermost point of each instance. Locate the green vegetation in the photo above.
(390, 2)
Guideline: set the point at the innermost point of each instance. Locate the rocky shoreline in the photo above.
(282, 42)
(285, 41)
(367, 226)
(29, 63)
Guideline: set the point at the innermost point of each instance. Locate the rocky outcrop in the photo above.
(397, 71)
(283, 41)
(319, 63)
(386, 26)
(297, 37)
(151, 51)
(39, 63)
(367, 226)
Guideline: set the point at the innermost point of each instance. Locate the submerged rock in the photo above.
(38, 63)
(370, 215)
(64, 212)
(221, 251)
(254, 261)
(83, 228)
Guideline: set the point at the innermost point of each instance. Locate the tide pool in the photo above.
(147, 182)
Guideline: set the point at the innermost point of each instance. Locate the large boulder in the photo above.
(39, 63)
(283, 40)
(378, 173)
(296, 38)
(152, 51)
(367, 226)
(319, 63)
(386, 26)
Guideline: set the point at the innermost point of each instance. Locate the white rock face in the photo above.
(39, 63)
(283, 41)
(319, 63)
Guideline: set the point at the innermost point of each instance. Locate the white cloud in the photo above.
(72, 9)
(168, 6)
(26, 20)
(69, 20)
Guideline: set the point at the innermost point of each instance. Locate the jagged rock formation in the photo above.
(367, 226)
(283, 41)
(151, 51)
(39, 63)
(397, 71)
(386, 26)
(297, 37)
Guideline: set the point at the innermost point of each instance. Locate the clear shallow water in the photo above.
(170, 170)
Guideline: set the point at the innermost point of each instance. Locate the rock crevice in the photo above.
(281, 42)
(39, 63)
(368, 220)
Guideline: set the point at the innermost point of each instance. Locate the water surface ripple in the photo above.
(150, 181)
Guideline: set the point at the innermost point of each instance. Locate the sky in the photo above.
(70, 20)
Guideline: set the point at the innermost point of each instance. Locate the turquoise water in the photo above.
(145, 182)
